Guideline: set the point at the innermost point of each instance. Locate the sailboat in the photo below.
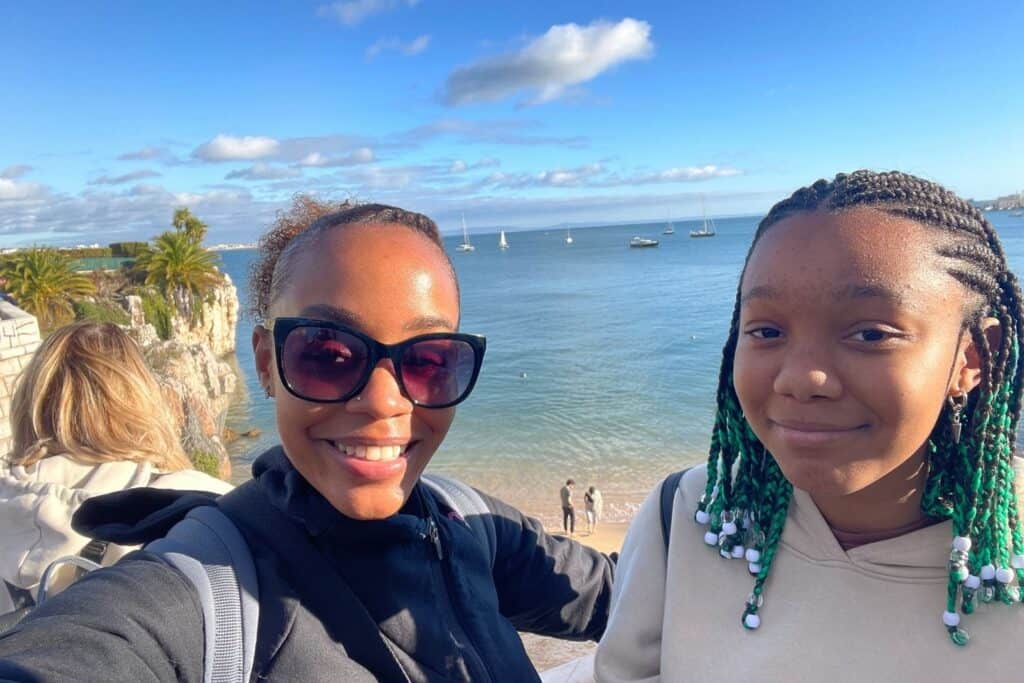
(502, 242)
(466, 245)
(669, 228)
(568, 235)
(708, 228)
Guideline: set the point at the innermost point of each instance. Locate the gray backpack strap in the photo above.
(464, 500)
(668, 499)
(208, 548)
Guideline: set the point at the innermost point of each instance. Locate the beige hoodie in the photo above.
(36, 504)
(873, 613)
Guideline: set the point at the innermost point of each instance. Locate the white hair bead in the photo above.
(950, 618)
(738, 552)
(973, 582)
(962, 543)
(751, 621)
(754, 567)
(711, 538)
(1004, 575)
(1017, 562)
(753, 555)
(702, 517)
(729, 528)
(988, 572)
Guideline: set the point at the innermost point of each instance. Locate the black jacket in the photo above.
(340, 599)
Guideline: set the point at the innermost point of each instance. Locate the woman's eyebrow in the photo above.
(429, 322)
(333, 314)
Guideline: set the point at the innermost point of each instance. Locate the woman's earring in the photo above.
(267, 389)
(957, 403)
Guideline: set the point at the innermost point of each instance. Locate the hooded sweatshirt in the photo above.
(37, 502)
(871, 613)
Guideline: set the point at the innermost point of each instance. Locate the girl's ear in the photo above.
(967, 374)
(263, 350)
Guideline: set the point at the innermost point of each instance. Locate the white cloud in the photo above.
(126, 178)
(413, 47)
(12, 190)
(231, 148)
(263, 171)
(144, 154)
(14, 172)
(458, 166)
(684, 174)
(352, 12)
(362, 155)
(566, 55)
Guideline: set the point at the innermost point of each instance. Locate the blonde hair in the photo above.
(88, 394)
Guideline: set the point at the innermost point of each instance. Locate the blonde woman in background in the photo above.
(88, 418)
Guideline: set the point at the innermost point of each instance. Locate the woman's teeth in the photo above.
(370, 452)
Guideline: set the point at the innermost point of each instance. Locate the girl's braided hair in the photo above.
(970, 480)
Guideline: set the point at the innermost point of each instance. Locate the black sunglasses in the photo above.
(327, 362)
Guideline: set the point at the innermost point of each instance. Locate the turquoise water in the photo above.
(620, 348)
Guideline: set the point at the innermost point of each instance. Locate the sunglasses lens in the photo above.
(437, 372)
(322, 364)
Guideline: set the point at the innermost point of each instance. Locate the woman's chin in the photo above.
(368, 502)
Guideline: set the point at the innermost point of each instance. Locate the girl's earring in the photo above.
(957, 403)
(267, 389)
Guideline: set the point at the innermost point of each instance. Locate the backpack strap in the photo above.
(210, 551)
(465, 501)
(668, 499)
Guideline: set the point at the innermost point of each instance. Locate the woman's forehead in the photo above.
(852, 254)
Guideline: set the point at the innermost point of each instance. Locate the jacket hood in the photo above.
(37, 504)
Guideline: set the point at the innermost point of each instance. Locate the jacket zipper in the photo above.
(469, 650)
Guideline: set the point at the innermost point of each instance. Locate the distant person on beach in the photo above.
(364, 571)
(861, 485)
(593, 507)
(568, 508)
(87, 418)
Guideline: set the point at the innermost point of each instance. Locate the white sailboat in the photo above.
(669, 228)
(502, 242)
(568, 235)
(466, 245)
(708, 228)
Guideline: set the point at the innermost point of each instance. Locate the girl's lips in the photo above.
(810, 434)
(365, 468)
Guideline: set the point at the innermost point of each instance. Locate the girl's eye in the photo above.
(765, 333)
(873, 335)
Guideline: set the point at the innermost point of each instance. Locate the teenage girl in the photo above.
(861, 479)
(364, 573)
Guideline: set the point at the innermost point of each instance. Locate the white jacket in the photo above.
(37, 502)
(871, 613)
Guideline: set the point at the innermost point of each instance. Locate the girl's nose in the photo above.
(805, 378)
(381, 397)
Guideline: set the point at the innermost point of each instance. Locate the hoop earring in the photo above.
(957, 403)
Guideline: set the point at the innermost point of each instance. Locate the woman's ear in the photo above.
(968, 369)
(263, 350)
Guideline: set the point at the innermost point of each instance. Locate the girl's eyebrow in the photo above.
(346, 317)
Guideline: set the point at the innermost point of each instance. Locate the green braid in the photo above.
(970, 482)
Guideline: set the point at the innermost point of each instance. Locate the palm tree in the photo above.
(180, 268)
(44, 283)
(184, 222)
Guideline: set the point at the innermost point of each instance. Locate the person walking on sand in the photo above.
(593, 505)
(568, 509)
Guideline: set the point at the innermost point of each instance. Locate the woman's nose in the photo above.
(804, 377)
(381, 397)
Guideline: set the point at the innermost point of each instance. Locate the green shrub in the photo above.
(128, 249)
(87, 252)
(206, 462)
(101, 312)
(158, 313)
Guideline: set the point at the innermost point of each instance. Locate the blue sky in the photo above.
(519, 114)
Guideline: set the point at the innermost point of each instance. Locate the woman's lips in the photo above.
(802, 433)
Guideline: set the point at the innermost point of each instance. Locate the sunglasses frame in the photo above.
(280, 328)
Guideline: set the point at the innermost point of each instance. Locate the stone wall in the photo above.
(19, 338)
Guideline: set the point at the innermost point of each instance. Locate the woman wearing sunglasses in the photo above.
(364, 573)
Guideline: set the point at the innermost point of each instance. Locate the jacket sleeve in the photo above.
(137, 621)
(631, 647)
(548, 584)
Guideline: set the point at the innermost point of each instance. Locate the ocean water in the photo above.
(602, 360)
